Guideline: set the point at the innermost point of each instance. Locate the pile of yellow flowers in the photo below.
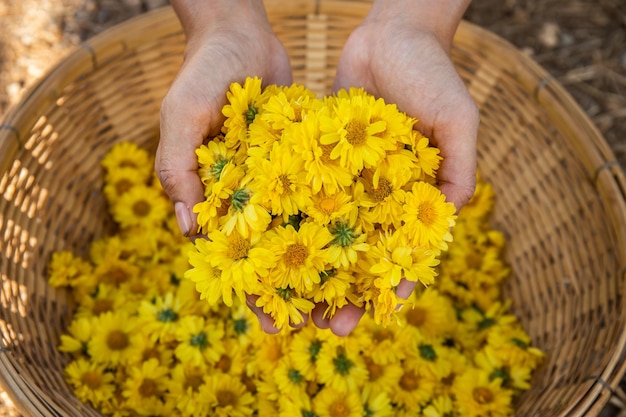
(143, 341)
(313, 200)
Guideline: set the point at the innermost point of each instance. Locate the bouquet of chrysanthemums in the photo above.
(317, 200)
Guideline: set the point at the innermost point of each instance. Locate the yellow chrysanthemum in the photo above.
(65, 269)
(105, 298)
(141, 206)
(304, 348)
(280, 181)
(333, 290)
(322, 171)
(283, 304)
(161, 316)
(113, 342)
(219, 194)
(146, 347)
(382, 198)
(415, 388)
(145, 386)
(428, 157)
(245, 213)
(498, 364)
(382, 377)
(244, 103)
(119, 181)
(325, 208)
(213, 159)
(341, 369)
(441, 406)
(128, 155)
(348, 244)
(332, 403)
(184, 389)
(478, 395)
(228, 396)
(428, 217)
(199, 341)
(431, 314)
(90, 381)
(301, 256)
(376, 403)
(290, 382)
(287, 106)
(79, 333)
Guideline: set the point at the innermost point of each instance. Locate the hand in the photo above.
(401, 53)
(226, 42)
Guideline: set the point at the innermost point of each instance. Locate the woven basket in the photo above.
(560, 195)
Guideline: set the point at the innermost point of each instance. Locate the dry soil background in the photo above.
(582, 43)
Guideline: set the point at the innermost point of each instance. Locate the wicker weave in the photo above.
(560, 195)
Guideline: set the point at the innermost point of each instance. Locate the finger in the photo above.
(317, 315)
(265, 320)
(405, 288)
(346, 319)
(301, 324)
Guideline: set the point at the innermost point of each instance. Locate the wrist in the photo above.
(439, 17)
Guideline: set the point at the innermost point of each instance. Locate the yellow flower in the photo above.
(147, 347)
(299, 407)
(245, 213)
(114, 340)
(441, 406)
(115, 272)
(301, 255)
(283, 304)
(91, 381)
(141, 206)
(325, 208)
(394, 258)
(105, 298)
(304, 348)
(376, 403)
(382, 377)
(183, 389)
(348, 242)
(291, 383)
(244, 103)
(355, 137)
(514, 345)
(79, 333)
(478, 395)
(415, 388)
(269, 349)
(381, 197)
(199, 341)
(128, 155)
(385, 344)
(228, 396)
(145, 386)
(280, 182)
(341, 369)
(322, 171)
(242, 260)
(287, 106)
(65, 269)
(332, 289)
(432, 314)
(213, 158)
(428, 158)
(212, 210)
(498, 365)
(428, 217)
(119, 181)
(333, 403)
(161, 316)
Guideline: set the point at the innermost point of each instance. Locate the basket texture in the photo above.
(560, 195)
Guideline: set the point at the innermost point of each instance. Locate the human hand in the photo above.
(401, 53)
(226, 42)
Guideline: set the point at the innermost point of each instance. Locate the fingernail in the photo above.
(183, 218)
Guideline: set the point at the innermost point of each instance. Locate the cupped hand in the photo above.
(401, 56)
(226, 43)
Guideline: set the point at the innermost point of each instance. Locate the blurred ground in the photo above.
(582, 43)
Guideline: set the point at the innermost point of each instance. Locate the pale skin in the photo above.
(400, 52)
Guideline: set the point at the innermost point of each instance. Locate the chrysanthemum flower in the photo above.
(65, 269)
(382, 198)
(355, 138)
(301, 255)
(145, 387)
(114, 341)
(428, 217)
(415, 388)
(376, 403)
(141, 206)
(333, 289)
(244, 103)
(105, 298)
(333, 403)
(381, 377)
(280, 182)
(340, 368)
(324, 208)
(430, 313)
(245, 213)
(349, 242)
(290, 381)
(287, 106)
(199, 341)
(322, 171)
(119, 181)
(161, 316)
(283, 304)
(183, 388)
(478, 395)
(228, 396)
(213, 159)
(498, 364)
(304, 348)
(78, 335)
(428, 157)
(128, 155)
(441, 406)
(514, 345)
(116, 272)
(90, 381)
(146, 347)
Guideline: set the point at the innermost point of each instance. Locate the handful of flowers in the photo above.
(314, 200)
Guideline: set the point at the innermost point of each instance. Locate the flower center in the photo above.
(339, 409)
(237, 247)
(193, 381)
(314, 349)
(199, 340)
(223, 364)
(356, 133)
(286, 183)
(150, 353)
(122, 186)
(383, 190)
(148, 388)
(342, 364)
(375, 370)
(416, 317)
(241, 326)
(240, 199)
(380, 335)
(426, 213)
(296, 255)
(117, 340)
(409, 381)
(327, 205)
(251, 114)
(326, 150)
(482, 395)
(116, 276)
(428, 352)
(141, 208)
(226, 398)
(92, 380)
(216, 169)
(473, 260)
(167, 315)
(295, 376)
(284, 293)
(102, 305)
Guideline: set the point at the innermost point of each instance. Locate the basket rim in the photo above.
(602, 168)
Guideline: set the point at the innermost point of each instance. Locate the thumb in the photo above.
(183, 129)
